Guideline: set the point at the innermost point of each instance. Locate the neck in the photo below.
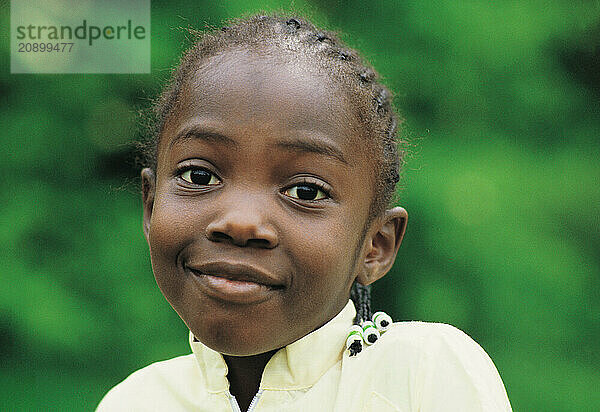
(245, 373)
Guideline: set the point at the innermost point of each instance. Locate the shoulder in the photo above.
(430, 337)
(423, 339)
(443, 364)
(153, 386)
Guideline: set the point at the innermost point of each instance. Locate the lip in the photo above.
(234, 282)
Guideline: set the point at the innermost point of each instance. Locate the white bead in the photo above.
(354, 334)
(370, 332)
(382, 321)
(355, 340)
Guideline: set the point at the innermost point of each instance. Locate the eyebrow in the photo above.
(301, 145)
(312, 146)
(196, 132)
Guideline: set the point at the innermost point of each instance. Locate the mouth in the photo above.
(235, 283)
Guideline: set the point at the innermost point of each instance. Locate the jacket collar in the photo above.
(298, 365)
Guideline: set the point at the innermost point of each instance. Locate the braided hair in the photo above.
(361, 296)
(296, 37)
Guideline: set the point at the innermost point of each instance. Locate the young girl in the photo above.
(266, 207)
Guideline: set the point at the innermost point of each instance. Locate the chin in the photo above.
(236, 344)
(236, 330)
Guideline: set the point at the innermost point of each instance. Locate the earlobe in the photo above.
(382, 245)
(148, 190)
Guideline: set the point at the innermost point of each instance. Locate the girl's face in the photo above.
(256, 219)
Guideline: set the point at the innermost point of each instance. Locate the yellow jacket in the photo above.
(414, 366)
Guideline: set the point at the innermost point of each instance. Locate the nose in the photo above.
(244, 224)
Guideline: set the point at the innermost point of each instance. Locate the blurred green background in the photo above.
(501, 102)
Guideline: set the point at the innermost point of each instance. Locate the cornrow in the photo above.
(371, 100)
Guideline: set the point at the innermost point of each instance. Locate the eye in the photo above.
(200, 177)
(306, 191)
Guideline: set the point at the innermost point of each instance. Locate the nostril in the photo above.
(261, 243)
(241, 233)
(219, 236)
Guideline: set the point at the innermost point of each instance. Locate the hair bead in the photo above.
(370, 332)
(367, 333)
(343, 55)
(392, 129)
(382, 321)
(381, 99)
(355, 340)
(367, 76)
(293, 23)
(322, 37)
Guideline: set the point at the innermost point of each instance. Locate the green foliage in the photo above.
(501, 106)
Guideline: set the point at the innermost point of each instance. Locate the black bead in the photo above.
(381, 99)
(355, 348)
(392, 129)
(322, 37)
(293, 22)
(367, 76)
(372, 338)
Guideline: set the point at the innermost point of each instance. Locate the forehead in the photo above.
(242, 89)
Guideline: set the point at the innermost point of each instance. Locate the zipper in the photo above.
(236, 406)
(254, 400)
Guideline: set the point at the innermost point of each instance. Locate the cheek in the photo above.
(328, 251)
(175, 221)
(165, 227)
(326, 258)
(171, 229)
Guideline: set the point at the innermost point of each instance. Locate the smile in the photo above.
(233, 283)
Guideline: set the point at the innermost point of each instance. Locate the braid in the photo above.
(361, 296)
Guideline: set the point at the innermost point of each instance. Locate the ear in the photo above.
(148, 190)
(382, 243)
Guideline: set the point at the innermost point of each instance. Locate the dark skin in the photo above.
(256, 217)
